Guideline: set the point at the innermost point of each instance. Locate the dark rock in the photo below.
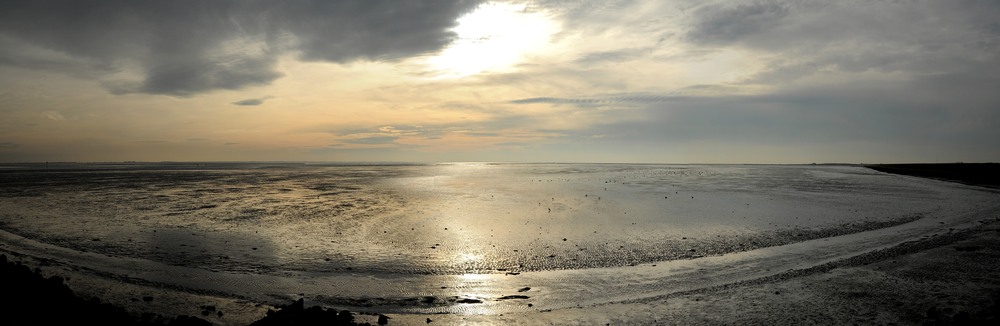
(30, 299)
(963, 318)
(512, 297)
(932, 313)
(209, 308)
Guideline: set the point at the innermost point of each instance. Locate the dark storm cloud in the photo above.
(183, 48)
(373, 30)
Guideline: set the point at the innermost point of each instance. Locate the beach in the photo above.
(416, 245)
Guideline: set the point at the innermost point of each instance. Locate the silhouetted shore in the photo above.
(979, 174)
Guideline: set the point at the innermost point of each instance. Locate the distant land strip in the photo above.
(978, 174)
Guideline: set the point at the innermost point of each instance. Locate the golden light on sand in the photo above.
(494, 37)
(467, 257)
(474, 277)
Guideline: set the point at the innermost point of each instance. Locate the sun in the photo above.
(494, 37)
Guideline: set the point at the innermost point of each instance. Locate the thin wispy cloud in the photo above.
(375, 140)
(601, 100)
(252, 101)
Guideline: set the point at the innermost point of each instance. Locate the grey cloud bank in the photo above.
(183, 48)
(883, 80)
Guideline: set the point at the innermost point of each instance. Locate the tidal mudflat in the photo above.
(475, 242)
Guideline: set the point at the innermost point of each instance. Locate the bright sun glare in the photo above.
(494, 37)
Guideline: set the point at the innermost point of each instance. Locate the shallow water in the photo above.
(421, 238)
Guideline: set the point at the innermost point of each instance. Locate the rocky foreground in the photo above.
(28, 298)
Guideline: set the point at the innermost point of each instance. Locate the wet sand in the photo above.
(950, 275)
(953, 278)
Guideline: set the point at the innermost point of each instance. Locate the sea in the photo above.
(463, 238)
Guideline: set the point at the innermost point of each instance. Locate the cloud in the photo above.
(252, 101)
(8, 145)
(614, 56)
(602, 100)
(249, 102)
(799, 39)
(54, 116)
(382, 135)
(732, 21)
(374, 140)
(183, 48)
(502, 131)
(887, 122)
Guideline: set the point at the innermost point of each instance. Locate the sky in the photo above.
(645, 81)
